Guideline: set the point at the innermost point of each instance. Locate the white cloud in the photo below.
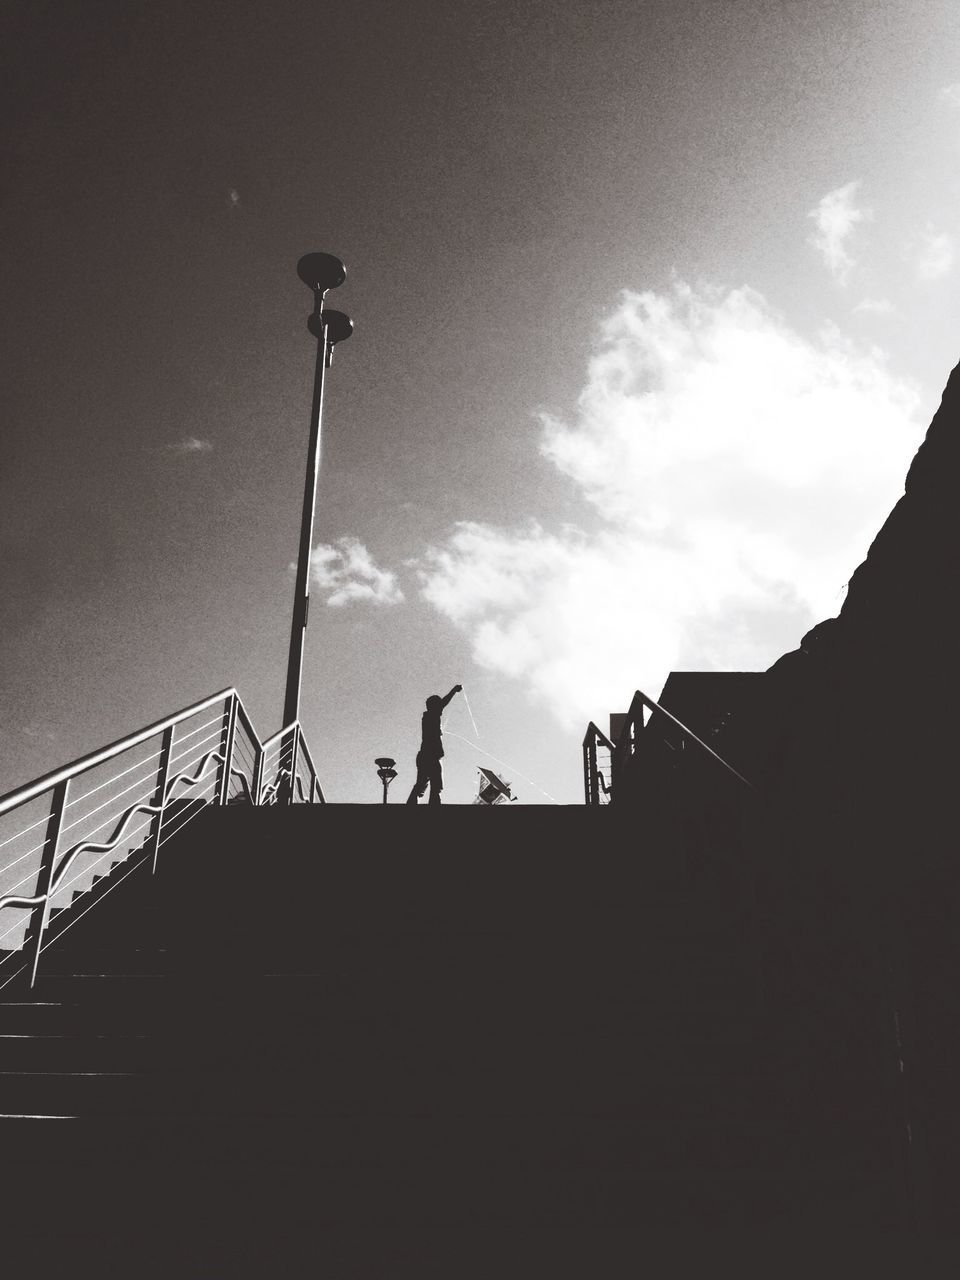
(835, 217)
(348, 573)
(933, 253)
(191, 445)
(738, 472)
(874, 307)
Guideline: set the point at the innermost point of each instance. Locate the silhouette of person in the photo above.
(429, 768)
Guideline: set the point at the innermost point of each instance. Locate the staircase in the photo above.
(385, 1041)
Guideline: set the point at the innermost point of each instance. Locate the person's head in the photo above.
(434, 702)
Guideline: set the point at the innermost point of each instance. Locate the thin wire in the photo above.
(106, 854)
(10, 839)
(116, 778)
(169, 835)
(247, 769)
(178, 742)
(181, 754)
(121, 877)
(138, 782)
(278, 745)
(281, 763)
(504, 764)
(10, 892)
(35, 848)
(15, 925)
(144, 799)
(90, 905)
(238, 787)
(235, 776)
(466, 703)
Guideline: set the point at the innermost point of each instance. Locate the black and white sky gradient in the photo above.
(653, 302)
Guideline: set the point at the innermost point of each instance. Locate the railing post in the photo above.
(33, 942)
(160, 797)
(294, 761)
(226, 748)
(258, 774)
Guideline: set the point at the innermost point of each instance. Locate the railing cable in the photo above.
(77, 821)
(39, 822)
(36, 848)
(116, 778)
(210, 737)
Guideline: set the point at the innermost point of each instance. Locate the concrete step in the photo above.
(391, 1018)
(187, 1183)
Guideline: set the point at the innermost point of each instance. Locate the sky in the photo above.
(652, 301)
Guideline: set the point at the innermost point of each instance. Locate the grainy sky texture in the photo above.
(652, 300)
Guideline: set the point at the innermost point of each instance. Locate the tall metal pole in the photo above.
(320, 272)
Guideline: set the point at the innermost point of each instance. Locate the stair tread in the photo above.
(484, 1029)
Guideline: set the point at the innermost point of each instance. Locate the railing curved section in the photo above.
(164, 775)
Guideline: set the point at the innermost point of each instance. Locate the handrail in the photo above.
(626, 744)
(594, 732)
(247, 723)
(267, 744)
(50, 877)
(593, 779)
(50, 780)
(273, 790)
(632, 719)
(93, 846)
(314, 776)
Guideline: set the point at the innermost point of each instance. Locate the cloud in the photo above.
(736, 473)
(932, 253)
(950, 93)
(874, 307)
(835, 217)
(348, 573)
(191, 445)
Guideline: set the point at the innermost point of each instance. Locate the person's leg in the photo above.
(420, 786)
(436, 781)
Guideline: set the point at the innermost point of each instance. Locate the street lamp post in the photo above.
(385, 772)
(319, 272)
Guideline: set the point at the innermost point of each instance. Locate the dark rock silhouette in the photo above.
(853, 743)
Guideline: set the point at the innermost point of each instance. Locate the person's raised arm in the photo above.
(457, 688)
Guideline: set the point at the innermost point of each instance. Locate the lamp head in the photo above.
(321, 271)
(338, 326)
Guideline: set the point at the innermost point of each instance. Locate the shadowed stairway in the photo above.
(370, 1041)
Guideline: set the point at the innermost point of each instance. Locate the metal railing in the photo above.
(648, 729)
(64, 837)
(598, 752)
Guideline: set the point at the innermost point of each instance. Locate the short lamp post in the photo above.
(319, 272)
(385, 772)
